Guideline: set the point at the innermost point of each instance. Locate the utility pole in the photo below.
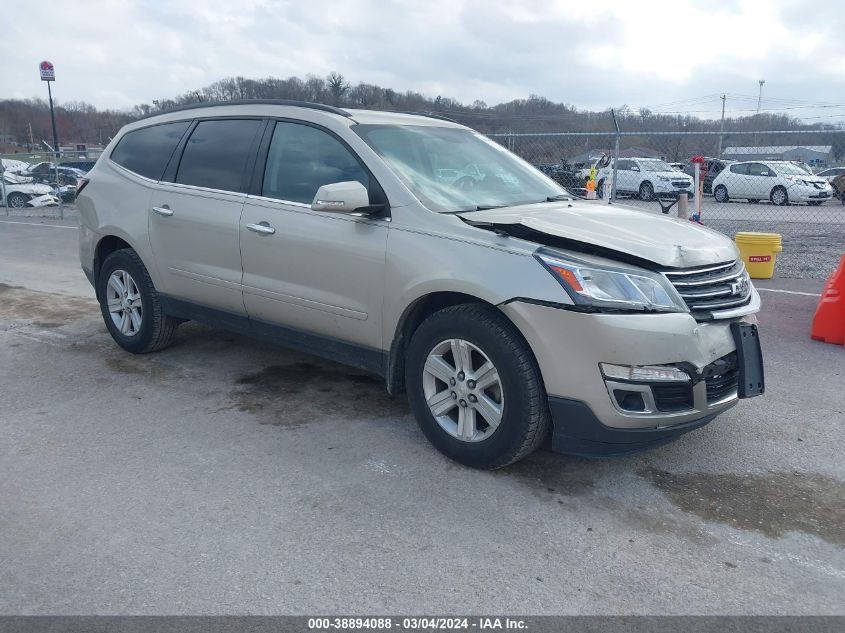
(759, 101)
(722, 127)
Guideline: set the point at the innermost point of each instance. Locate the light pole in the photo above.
(722, 127)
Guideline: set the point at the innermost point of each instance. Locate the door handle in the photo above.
(262, 227)
(165, 211)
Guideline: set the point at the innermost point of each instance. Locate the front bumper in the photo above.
(569, 347)
(577, 431)
(802, 193)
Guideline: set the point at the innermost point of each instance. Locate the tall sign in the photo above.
(48, 74)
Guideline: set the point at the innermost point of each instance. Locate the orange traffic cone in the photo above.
(829, 321)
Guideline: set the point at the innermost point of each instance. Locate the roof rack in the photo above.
(430, 115)
(280, 102)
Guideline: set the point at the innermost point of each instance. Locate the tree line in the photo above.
(80, 122)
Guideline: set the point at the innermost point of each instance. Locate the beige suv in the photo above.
(507, 310)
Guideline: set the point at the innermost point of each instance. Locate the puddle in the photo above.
(773, 503)
(549, 474)
(293, 395)
(48, 309)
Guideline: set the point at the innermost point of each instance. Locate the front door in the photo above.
(194, 220)
(313, 271)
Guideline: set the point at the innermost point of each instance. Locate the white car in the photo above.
(781, 182)
(830, 174)
(24, 194)
(648, 178)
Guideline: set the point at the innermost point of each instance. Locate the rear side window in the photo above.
(217, 153)
(147, 151)
(740, 169)
(302, 159)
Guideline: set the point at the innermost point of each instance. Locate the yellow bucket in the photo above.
(759, 251)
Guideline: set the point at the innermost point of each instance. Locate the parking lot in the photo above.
(225, 476)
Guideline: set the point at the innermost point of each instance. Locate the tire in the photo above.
(517, 395)
(779, 196)
(17, 200)
(153, 329)
(646, 191)
(720, 194)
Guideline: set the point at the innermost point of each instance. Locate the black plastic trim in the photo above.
(366, 358)
(577, 431)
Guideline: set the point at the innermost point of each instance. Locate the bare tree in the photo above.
(338, 87)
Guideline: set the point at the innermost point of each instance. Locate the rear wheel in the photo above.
(475, 387)
(646, 191)
(779, 196)
(131, 305)
(720, 194)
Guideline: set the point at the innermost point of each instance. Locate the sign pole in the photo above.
(48, 74)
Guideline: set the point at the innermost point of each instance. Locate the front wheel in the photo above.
(721, 193)
(131, 305)
(17, 200)
(779, 196)
(646, 191)
(475, 387)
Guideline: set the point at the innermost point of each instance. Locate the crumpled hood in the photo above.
(666, 241)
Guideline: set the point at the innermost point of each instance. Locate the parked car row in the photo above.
(27, 184)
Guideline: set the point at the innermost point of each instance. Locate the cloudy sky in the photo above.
(676, 55)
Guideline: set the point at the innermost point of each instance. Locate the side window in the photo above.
(624, 165)
(217, 153)
(759, 169)
(147, 151)
(302, 159)
(741, 169)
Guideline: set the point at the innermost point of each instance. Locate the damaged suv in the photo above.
(507, 310)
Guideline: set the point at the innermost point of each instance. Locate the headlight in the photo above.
(612, 288)
(664, 178)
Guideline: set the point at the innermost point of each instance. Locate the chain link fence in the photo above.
(786, 182)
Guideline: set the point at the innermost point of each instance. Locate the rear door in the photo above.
(760, 180)
(194, 218)
(317, 272)
(626, 180)
(736, 180)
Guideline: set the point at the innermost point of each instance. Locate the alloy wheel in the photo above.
(124, 303)
(463, 390)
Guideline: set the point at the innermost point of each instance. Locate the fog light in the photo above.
(647, 373)
(629, 400)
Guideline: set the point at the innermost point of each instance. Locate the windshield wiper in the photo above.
(560, 196)
(480, 207)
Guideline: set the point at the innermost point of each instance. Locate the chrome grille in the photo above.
(717, 287)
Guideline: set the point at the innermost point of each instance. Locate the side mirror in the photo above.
(342, 197)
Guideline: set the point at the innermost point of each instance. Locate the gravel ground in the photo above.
(224, 476)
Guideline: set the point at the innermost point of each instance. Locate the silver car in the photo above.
(508, 311)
